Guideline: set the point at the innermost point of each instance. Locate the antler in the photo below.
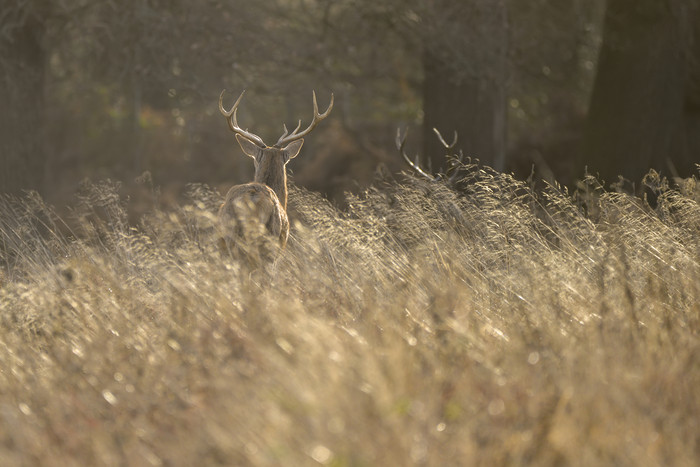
(287, 138)
(233, 122)
(442, 140)
(455, 161)
(401, 142)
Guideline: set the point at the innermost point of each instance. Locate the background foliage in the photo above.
(111, 89)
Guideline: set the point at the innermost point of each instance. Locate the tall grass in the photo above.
(421, 326)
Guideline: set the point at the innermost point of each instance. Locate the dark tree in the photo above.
(465, 76)
(22, 65)
(639, 107)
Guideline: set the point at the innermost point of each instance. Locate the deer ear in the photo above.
(293, 148)
(249, 148)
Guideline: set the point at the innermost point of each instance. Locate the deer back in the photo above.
(253, 210)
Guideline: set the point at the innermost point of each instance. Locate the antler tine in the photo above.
(400, 143)
(285, 139)
(442, 140)
(324, 114)
(286, 131)
(228, 113)
(231, 118)
(297, 128)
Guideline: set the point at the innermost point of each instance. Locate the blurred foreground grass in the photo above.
(419, 327)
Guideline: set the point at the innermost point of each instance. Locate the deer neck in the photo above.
(274, 176)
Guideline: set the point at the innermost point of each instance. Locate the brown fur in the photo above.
(255, 211)
(249, 206)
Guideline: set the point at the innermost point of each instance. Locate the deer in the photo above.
(258, 209)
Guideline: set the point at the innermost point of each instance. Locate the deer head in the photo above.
(270, 161)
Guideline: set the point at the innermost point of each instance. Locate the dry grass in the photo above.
(419, 327)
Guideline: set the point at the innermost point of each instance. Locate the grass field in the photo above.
(421, 326)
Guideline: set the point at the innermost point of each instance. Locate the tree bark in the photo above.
(22, 63)
(692, 101)
(636, 118)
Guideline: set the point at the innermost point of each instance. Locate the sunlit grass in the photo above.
(421, 326)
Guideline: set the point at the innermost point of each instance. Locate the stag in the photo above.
(260, 207)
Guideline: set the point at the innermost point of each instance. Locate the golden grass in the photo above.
(419, 327)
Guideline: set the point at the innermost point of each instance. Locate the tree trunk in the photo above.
(636, 115)
(467, 93)
(692, 103)
(22, 61)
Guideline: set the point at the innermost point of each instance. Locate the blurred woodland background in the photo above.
(128, 89)
(495, 320)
